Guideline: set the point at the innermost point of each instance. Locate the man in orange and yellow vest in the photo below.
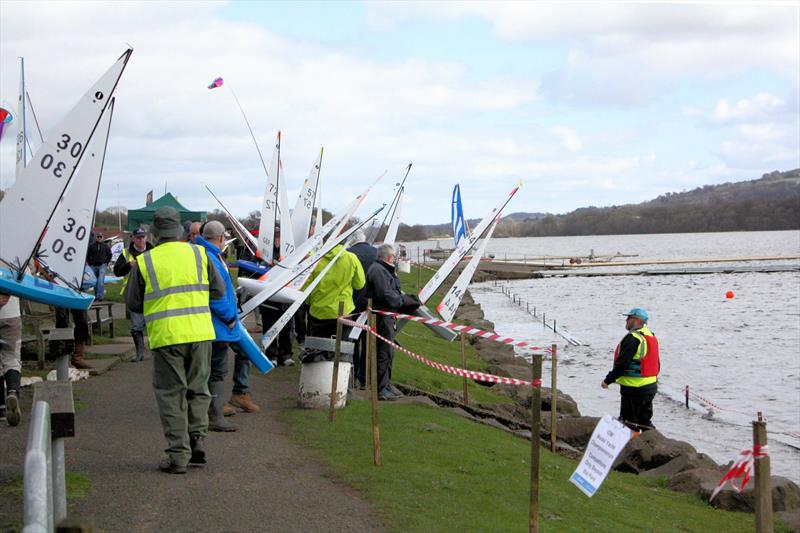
(172, 285)
(636, 367)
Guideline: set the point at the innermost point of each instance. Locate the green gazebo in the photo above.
(144, 215)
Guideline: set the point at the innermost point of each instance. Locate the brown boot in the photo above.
(244, 402)
(227, 410)
(77, 359)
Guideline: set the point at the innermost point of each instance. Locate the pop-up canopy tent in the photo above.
(144, 215)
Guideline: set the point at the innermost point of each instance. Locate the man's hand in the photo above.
(132, 262)
(232, 324)
(4, 298)
(604, 384)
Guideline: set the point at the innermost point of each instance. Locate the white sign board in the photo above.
(608, 439)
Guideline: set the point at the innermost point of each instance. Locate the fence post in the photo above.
(763, 486)
(536, 415)
(37, 478)
(687, 396)
(372, 349)
(337, 353)
(464, 364)
(553, 398)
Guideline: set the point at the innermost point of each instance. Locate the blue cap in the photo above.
(638, 312)
(139, 232)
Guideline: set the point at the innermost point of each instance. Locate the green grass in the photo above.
(442, 472)
(78, 486)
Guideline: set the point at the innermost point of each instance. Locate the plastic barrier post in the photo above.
(372, 350)
(763, 482)
(336, 355)
(464, 365)
(553, 399)
(536, 415)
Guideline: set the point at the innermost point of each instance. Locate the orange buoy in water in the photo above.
(729, 295)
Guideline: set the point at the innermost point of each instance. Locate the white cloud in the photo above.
(568, 137)
(759, 107)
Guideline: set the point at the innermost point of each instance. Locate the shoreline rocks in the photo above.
(651, 454)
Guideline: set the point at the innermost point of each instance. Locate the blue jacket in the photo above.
(223, 310)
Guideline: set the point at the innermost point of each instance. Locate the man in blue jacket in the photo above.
(224, 314)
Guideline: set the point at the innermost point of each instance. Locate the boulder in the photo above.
(576, 431)
(703, 481)
(791, 519)
(682, 463)
(650, 450)
(565, 405)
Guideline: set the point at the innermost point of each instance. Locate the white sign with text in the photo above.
(608, 439)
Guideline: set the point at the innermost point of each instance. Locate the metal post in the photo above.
(464, 365)
(59, 459)
(553, 398)
(37, 480)
(372, 347)
(763, 486)
(337, 353)
(536, 415)
(687, 396)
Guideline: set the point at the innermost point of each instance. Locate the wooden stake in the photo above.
(687, 396)
(553, 399)
(337, 353)
(464, 365)
(536, 415)
(373, 379)
(763, 487)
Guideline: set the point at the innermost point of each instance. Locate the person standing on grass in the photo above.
(10, 364)
(636, 368)
(97, 257)
(367, 254)
(122, 268)
(172, 285)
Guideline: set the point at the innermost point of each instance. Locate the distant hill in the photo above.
(771, 202)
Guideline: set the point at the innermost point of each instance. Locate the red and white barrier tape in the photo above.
(469, 330)
(713, 405)
(742, 468)
(463, 372)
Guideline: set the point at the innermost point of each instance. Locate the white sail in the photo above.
(464, 246)
(63, 248)
(29, 204)
(287, 235)
(247, 238)
(449, 304)
(394, 224)
(284, 276)
(33, 145)
(355, 204)
(22, 132)
(269, 206)
(304, 207)
(318, 221)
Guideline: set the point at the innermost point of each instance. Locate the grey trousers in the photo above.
(10, 344)
(180, 382)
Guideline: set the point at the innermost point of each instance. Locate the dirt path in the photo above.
(257, 479)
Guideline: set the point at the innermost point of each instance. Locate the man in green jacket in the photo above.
(345, 275)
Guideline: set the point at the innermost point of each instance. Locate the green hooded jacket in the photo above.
(345, 275)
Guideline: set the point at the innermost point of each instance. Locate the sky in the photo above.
(586, 103)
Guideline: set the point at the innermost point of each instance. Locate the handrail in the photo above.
(38, 479)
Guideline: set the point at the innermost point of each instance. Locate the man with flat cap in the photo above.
(636, 368)
(172, 285)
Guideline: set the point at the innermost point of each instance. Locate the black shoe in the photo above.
(168, 466)
(198, 445)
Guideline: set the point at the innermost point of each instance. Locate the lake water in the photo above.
(742, 354)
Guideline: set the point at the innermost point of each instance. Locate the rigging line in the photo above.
(250, 129)
(396, 196)
(314, 200)
(35, 119)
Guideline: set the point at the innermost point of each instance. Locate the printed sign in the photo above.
(608, 439)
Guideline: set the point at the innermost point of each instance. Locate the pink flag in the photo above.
(216, 83)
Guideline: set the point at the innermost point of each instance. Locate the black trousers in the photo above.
(81, 319)
(385, 326)
(636, 411)
(360, 357)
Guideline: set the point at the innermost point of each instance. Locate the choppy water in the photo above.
(742, 354)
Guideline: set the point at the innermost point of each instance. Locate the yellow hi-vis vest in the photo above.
(641, 373)
(176, 294)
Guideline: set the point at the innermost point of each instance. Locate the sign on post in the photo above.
(608, 439)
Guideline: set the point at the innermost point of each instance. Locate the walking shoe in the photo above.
(13, 414)
(244, 402)
(198, 445)
(227, 410)
(77, 359)
(386, 396)
(166, 465)
(287, 362)
(397, 392)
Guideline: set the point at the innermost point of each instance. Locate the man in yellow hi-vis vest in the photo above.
(172, 285)
(636, 367)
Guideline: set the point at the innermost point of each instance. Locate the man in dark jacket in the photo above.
(367, 255)
(97, 257)
(122, 267)
(383, 286)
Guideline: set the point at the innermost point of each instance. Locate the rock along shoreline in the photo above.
(652, 454)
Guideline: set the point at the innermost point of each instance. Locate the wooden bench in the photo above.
(97, 320)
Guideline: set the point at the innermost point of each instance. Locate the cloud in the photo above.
(568, 137)
(762, 106)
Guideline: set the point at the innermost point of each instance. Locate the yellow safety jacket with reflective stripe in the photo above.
(125, 254)
(633, 377)
(176, 294)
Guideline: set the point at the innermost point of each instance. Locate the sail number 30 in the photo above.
(48, 161)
